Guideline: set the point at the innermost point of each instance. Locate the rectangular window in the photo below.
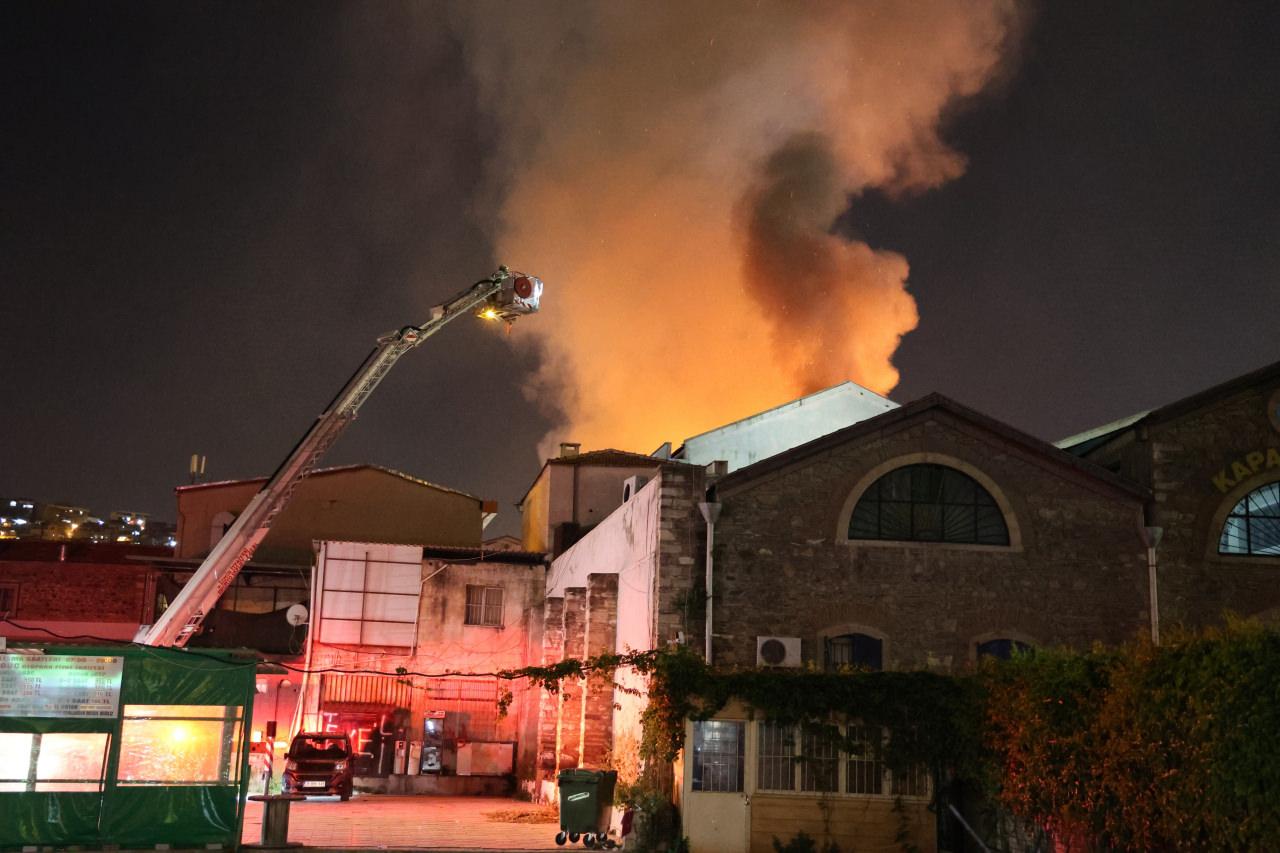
(484, 605)
(866, 760)
(913, 782)
(777, 758)
(819, 762)
(53, 761)
(8, 599)
(813, 759)
(180, 745)
(718, 755)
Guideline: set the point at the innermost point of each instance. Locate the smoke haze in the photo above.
(673, 172)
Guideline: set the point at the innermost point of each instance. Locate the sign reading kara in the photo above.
(1246, 466)
(40, 685)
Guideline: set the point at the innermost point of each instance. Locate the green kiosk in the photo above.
(129, 746)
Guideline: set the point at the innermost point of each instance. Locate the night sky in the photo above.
(212, 210)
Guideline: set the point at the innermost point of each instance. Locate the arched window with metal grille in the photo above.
(928, 503)
(1252, 527)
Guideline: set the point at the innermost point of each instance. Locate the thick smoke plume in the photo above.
(673, 171)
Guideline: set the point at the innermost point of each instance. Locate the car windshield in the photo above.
(312, 748)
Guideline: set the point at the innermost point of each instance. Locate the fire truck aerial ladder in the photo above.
(505, 295)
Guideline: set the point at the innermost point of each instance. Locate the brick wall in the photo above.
(601, 630)
(77, 592)
(549, 705)
(569, 749)
(1079, 575)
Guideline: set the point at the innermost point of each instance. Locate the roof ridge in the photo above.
(932, 400)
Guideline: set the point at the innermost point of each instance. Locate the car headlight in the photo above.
(341, 765)
(291, 765)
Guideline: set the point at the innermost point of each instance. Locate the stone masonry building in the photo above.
(921, 536)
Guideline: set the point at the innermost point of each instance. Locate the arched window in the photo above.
(1002, 648)
(855, 650)
(1253, 525)
(218, 527)
(928, 503)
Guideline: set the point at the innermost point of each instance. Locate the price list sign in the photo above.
(60, 685)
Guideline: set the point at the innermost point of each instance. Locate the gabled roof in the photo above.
(912, 410)
(337, 469)
(1086, 441)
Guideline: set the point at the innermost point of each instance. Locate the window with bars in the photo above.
(848, 651)
(928, 503)
(866, 770)
(812, 761)
(484, 605)
(776, 769)
(718, 750)
(819, 763)
(1253, 525)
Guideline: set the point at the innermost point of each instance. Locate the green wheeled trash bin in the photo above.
(586, 805)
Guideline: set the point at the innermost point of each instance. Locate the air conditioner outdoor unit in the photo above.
(778, 651)
(631, 485)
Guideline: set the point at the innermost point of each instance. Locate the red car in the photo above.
(319, 763)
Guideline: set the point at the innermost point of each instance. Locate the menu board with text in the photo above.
(41, 685)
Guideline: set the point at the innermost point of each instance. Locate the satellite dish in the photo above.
(296, 614)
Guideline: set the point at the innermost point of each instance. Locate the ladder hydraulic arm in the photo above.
(505, 295)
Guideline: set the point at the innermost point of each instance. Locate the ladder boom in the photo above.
(504, 296)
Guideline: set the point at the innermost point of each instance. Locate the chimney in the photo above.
(569, 449)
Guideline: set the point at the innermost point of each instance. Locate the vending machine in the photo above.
(432, 741)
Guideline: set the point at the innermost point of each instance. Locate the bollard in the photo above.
(275, 821)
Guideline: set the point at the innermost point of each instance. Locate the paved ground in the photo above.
(379, 821)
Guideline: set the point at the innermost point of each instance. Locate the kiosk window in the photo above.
(180, 745)
(53, 761)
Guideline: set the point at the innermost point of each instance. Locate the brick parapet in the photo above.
(601, 633)
(569, 739)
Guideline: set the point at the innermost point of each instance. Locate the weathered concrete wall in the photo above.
(445, 643)
(1075, 573)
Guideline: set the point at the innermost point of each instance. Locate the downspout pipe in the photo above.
(1151, 537)
(710, 514)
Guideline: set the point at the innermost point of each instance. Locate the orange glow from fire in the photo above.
(692, 276)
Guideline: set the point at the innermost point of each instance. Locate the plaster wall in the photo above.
(365, 504)
(624, 544)
(444, 642)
